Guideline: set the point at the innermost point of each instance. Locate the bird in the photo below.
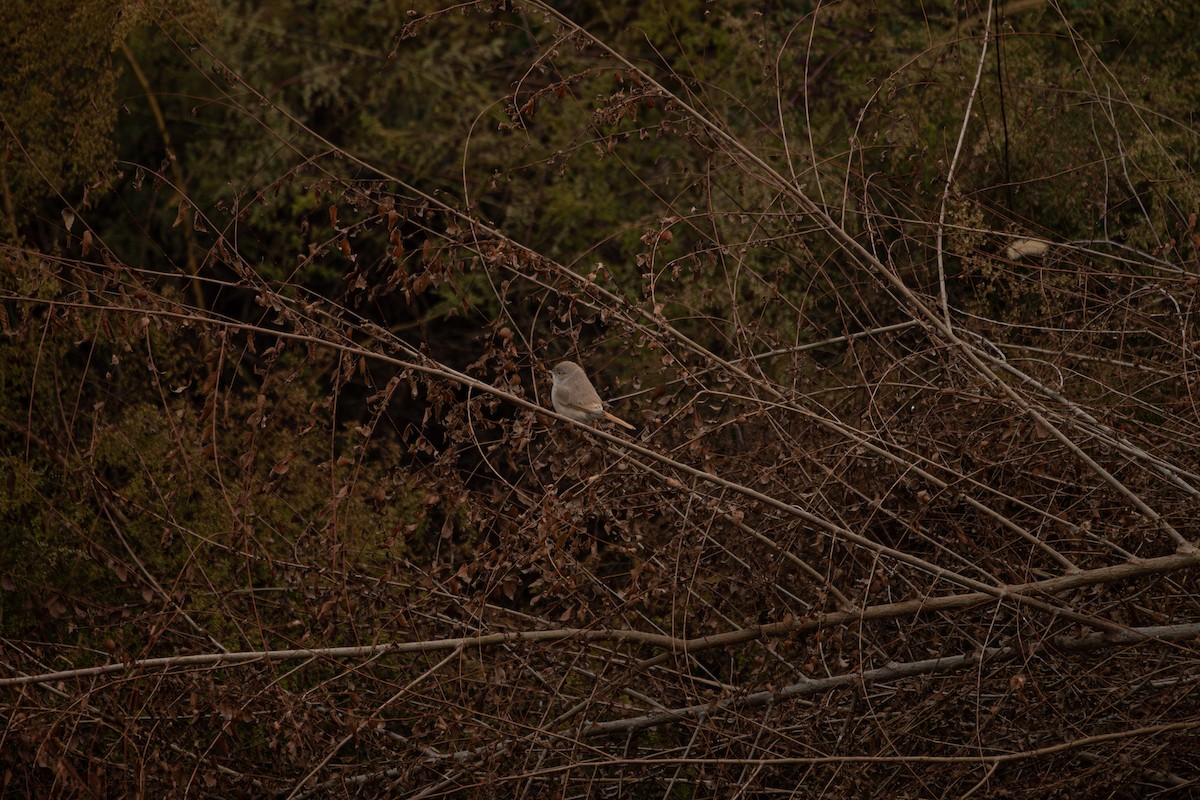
(574, 396)
(1026, 247)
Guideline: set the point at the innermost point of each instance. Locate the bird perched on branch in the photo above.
(1026, 248)
(574, 396)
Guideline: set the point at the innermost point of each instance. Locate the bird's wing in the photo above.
(589, 405)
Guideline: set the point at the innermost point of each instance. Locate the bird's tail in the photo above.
(618, 420)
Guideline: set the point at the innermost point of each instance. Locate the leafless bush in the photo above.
(910, 511)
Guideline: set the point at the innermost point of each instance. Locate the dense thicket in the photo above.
(900, 298)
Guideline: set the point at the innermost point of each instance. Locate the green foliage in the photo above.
(133, 449)
(58, 95)
(56, 92)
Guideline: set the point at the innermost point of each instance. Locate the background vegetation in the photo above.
(901, 298)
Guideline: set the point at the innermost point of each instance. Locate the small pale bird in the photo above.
(1026, 248)
(574, 396)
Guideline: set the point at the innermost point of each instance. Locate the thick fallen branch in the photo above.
(1064, 644)
(670, 644)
